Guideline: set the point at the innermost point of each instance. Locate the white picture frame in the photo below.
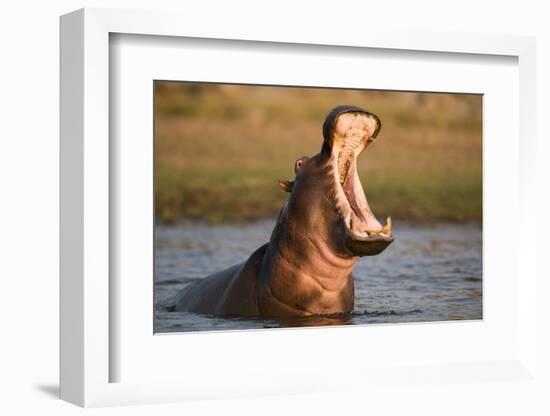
(87, 302)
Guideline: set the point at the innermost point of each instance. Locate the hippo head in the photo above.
(327, 201)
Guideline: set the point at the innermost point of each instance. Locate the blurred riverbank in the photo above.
(220, 150)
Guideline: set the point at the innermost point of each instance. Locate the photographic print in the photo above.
(282, 206)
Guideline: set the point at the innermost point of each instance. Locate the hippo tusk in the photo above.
(387, 227)
(386, 231)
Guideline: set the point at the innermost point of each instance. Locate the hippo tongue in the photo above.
(362, 218)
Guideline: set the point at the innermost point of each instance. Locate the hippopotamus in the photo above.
(321, 231)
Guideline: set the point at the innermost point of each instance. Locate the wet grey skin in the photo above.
(322, 230)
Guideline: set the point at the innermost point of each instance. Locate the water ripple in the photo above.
(431, 272)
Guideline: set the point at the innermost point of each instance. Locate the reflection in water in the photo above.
(342, 319)
(430, 273)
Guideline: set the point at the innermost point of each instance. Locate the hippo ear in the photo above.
(286, 186)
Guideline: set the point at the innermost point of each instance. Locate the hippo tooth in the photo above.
(372, 231)
(363, 234)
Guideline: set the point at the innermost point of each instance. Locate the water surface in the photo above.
(432, 272)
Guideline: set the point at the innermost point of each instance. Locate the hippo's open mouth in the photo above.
(365, 235)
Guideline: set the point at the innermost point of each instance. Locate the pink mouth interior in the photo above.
(362, 218)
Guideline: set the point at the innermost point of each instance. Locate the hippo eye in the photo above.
(300, 163)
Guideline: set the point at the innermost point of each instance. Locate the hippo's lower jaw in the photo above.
(366, 246)
(364, 235)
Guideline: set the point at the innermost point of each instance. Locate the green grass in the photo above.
(220, 151)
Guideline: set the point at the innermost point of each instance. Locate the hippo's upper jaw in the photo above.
(351, 132)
